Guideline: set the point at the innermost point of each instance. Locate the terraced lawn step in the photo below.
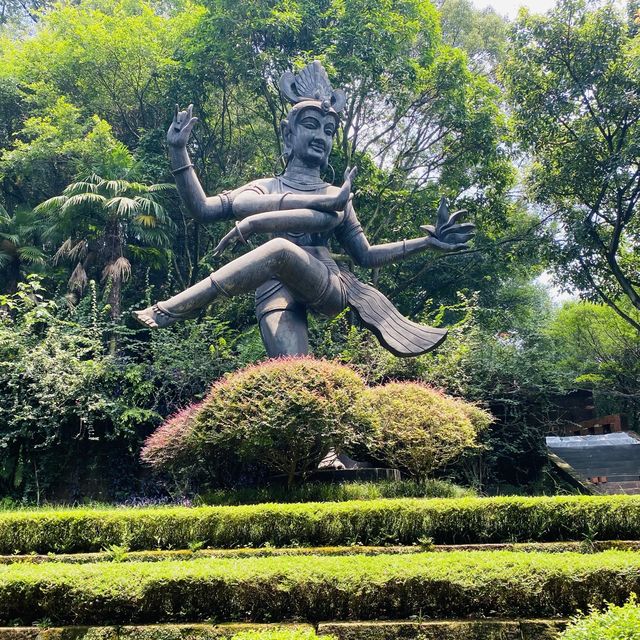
(313, 588)
(446, 630)
(264, 552)
(402, 630)
(363, 522)
(147, 632)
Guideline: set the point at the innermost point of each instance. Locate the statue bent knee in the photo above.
(308, 279)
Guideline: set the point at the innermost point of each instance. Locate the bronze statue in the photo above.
(294, 271)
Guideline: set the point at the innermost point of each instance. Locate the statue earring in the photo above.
(280, 165)
(333, 174)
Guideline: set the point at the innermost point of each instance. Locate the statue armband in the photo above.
(226, 200)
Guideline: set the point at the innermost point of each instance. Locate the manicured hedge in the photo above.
(261, 552)
(459, 584)
(371, 522)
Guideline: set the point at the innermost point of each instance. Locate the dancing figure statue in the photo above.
(294, 272)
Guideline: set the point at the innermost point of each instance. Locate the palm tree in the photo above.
(18, 246)
(101, 225)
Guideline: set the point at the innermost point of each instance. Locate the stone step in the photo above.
(628, 488)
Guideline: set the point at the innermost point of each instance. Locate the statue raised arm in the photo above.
(294, 272)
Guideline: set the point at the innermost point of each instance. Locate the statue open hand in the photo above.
(447, 235)
(338, 202)
(181, 125)
(237, 235)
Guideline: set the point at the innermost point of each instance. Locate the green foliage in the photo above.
(615, 623)
(499, 356)
(60, 137)
(117, 552)
(420, 429)
(100, 224)
(438, 585)
(365, 522)
(566, 72)
(481, 33)
(19, 250)
(332, 492)
(73, 416)
(57, 396)
(601, 351)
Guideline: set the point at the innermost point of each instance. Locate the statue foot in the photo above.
(155, 317)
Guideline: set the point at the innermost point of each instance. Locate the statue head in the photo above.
(312, 121)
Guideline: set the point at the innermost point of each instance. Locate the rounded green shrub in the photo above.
(615, 623)
(419, 429)
(282, 416)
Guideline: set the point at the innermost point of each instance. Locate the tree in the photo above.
(599, 350)
(19, 248)
(481, 33)
(576, 101)
(104, 225)
(282, 415)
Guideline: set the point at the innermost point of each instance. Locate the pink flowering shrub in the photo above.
(282, 416)
(168, 445)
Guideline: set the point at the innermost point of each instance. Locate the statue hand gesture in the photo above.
(180, 129)
(447, 235)
(339, 201)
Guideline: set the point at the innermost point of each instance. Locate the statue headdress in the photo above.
(311, 88)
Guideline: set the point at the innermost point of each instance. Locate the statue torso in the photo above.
(281, 184)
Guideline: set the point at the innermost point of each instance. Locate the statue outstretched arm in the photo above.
(445, 236)
(245, 201)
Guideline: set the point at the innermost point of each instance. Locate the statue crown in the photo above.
(312, 85)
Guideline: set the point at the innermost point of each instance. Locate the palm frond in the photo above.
(145, 220)
(50, 205)
(150, 207)
(162, 186)
(153, 236)
(124, 206)
(118, 271)
(63, 251)
(115, 186)
(34, 255)
(79, 251)
(78, 279)
(82, 186)
(82, 199)
(13, 238)
(137, 188)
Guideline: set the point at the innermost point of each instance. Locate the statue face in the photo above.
(312, 136)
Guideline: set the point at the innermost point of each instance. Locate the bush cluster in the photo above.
(459, 584)
(367, 522)
(615, 623)
(283, 416)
